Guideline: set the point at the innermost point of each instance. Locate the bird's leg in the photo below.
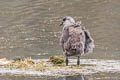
(66, 60)
(78, 60)
(65, 53)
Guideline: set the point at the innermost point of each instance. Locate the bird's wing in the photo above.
(89, 42)
(64, 37)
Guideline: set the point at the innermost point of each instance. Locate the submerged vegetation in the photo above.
(55, 66)
(57, 60)
(29, 64)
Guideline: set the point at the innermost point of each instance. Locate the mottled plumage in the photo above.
(75, 39)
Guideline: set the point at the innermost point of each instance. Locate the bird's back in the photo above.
(76, 34)
(75, 43)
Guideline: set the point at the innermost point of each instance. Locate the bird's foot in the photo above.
(66, 61)
(78, 61)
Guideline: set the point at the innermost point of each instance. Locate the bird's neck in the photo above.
(68, 23)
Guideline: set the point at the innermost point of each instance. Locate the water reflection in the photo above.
(109, 76)
(79, 77)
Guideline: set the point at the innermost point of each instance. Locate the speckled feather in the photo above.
(76, 40)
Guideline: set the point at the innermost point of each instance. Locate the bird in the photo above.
(75, 39)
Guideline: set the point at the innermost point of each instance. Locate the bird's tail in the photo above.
(89, 43)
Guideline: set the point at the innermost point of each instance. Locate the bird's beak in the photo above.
(61, 24)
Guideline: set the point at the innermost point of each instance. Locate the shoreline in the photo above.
(87, 67)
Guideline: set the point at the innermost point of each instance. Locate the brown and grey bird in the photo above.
(75, 39)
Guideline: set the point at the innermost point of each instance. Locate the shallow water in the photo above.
(89, 69)
(102, 76)
(30, 27)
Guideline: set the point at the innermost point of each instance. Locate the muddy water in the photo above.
(80, 77)
(30, 27)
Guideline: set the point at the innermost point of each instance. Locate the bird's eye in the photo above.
(64, 19)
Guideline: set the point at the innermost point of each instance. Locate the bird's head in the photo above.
(67, 21)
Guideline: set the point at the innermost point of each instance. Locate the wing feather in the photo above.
(89, 42)
(76, 40)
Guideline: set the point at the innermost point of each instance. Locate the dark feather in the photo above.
(76, 40)
(89, 42)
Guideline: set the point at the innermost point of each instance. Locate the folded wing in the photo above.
(89, 42)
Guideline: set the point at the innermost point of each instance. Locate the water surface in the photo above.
(31, 27)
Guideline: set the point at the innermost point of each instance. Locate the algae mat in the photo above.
(34, 68)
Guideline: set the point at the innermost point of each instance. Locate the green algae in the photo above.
(57, 60)
(46, 67)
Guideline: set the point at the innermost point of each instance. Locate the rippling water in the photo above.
(80, 77)
(30, 27)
